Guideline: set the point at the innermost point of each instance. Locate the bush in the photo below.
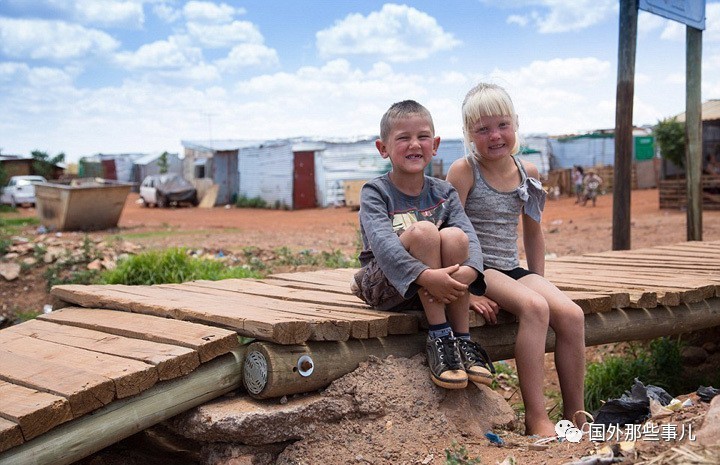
(670, 136)
(658, 363)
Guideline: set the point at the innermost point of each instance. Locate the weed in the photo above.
(26, 315)
(334, 259)
(458, 455)
(251, 202)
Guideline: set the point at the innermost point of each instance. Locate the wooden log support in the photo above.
(273, 370)
(75, 440)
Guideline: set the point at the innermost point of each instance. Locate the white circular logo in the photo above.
(562, 426)
(573, 434)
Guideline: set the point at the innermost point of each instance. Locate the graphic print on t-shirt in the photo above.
(401, 221)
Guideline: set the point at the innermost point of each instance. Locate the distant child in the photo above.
(577, 180)
(497, 189)
(591, 185)
(419, 248)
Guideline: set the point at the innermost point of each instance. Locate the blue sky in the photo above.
(110, 76)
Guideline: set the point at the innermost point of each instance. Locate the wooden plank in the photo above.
(34, 411)
(260, 288)
(334, 285)
(343, 290)
(209, 342)
(79, 438)
(349, 307)
(283, 329)
(86, 391)
(10, 435)
(130, 376)
(327, 322)
(170, 361)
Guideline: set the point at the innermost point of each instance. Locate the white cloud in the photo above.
(224, 35)
(552, 16)
(245, 55)
(55, 40)
(397, 33)
(209, 12)
(109, 12)
(521, 21)
(167, 12)
(171, 53)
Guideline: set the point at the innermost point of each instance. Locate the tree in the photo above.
(3, 175)
(163, 163)
(670, 136)
(43, 163)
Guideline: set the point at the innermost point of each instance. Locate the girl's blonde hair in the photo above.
(486, 100)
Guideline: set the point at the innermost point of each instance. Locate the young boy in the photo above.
(419, 248)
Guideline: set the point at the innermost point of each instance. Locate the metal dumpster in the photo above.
(81, 204)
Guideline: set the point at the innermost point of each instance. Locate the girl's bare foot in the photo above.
(544, 428)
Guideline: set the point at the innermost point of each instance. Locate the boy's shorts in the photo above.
(372, 286)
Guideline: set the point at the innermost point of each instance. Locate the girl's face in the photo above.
(493, 136)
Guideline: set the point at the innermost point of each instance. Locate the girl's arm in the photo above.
(533, 238)
(460, 175)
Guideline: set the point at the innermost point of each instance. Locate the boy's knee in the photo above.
(455, 236)
(537, 309)
(422, 232)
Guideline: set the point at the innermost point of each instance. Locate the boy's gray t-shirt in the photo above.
(385, 212)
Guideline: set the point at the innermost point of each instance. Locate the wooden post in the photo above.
(693, 132)
(624, 123)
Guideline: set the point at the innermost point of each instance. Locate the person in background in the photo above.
(577, 175)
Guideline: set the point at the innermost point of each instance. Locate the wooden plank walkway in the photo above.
(104, 344)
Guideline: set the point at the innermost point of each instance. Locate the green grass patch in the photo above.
(658, 363)
(456, 454)
(171, 266)
(334, 259)
(11, 227)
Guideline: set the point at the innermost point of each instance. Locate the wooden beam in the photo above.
(625, 92)
(77, 439)
(693, 132)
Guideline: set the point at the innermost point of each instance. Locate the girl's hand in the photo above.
(485, 307)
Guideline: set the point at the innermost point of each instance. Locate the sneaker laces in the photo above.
(474, 353)
(449, 356)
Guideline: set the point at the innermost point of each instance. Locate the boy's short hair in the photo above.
(403, 109)
(486, 100)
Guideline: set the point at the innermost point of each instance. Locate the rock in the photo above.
(394, 397)
(693, 355)
(710, 347)
(709, 434)
(11, 256)
(9, 271)
(29, 261)
(95, 265)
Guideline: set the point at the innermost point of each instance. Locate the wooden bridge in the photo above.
(112, 360)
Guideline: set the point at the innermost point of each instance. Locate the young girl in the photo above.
(497, 189)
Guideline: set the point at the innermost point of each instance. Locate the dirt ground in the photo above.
(570, 229)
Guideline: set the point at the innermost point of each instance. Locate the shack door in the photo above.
(304, 180)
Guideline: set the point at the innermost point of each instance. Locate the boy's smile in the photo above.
(410, 146)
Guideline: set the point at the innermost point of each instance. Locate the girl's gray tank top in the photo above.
(495, 216)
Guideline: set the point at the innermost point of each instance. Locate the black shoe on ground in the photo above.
(446, 367)
(476, 362)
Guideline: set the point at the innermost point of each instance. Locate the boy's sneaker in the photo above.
(476, 361)
(446, 367)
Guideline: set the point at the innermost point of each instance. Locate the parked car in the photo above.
(21, 190)
(167, 189)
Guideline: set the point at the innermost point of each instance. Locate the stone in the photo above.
(709, 433)
(693, 356)
(9, 271)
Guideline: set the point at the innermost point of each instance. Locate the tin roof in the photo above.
(710, 111)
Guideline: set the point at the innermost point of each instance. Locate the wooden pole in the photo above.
(623, 124)
(331, 361)
(693, 132)
(86, 435)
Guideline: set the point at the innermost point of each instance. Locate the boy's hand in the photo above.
(440, 284)
(485, 307)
